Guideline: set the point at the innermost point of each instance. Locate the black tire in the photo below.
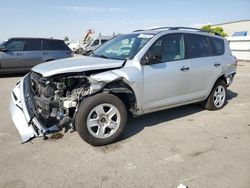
(209, 103)
(86, 107)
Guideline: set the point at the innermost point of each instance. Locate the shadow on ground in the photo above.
(136, 125)
(10, 75)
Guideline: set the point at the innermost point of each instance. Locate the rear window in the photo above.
(218, 46)
(54, 45)
(197, 46)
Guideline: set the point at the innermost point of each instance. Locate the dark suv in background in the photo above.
(21, 54)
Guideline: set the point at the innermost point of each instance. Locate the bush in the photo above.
(217, 29)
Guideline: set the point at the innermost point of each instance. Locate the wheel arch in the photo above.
(221, 77)
(121, 89)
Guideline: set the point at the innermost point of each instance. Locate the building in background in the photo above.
(238, 37)
(236, 27)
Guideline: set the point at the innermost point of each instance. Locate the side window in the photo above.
(56, 45)
(32, 45)
(45, 45)
(15, 45)
(218, 46)
(96, 42)
(169, 48)
(197, 46)
(103, 41)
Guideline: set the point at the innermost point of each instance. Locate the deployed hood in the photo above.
(76, 64)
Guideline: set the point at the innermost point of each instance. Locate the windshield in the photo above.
(122, 47)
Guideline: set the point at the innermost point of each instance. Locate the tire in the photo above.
(217, 98)
(101, 119)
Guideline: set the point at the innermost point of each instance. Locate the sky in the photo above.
(72, 18)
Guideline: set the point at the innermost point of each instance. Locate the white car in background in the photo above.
(73, 45)
(95, 44)
(77, 46)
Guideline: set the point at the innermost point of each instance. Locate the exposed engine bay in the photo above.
(56, 99)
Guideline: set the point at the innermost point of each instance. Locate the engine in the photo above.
(56, 98)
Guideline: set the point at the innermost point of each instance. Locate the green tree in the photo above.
(217, 29)
(66, 38)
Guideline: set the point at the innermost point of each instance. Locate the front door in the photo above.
(166, 81)
(13, 56)
(21, 53)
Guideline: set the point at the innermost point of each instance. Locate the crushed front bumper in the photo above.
(23, 112)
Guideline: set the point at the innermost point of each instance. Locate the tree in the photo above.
(217, 29)
(66, 38)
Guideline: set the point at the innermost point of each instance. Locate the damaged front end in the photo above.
(42, 105)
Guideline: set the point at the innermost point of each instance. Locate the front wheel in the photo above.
(217, 98)
(101, 119)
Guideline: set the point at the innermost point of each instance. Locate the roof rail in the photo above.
(187, 28)
(177, 28)
(195, 29)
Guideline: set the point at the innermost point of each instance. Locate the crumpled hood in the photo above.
(76, 64)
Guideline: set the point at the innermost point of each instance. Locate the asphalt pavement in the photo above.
(187, 145)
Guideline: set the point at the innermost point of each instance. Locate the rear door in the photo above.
(205, 67)
(55, 49)
(32, 54)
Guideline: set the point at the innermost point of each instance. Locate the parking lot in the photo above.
(185, 145)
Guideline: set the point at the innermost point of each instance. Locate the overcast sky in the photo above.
(59, 18)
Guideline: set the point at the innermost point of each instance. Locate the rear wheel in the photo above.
(217, 98)
(101, 119)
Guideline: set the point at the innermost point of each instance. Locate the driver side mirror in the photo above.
(151, 58)
(3, 49)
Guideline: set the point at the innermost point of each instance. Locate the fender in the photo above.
(109, 82)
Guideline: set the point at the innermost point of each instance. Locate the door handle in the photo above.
(217, 64)
(18, 54)
(184, 69)
(45, 53)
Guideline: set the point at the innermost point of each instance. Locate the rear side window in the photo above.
(32, 45)
(218, 46)
(54, 45)
(45, 45)
(197, 46)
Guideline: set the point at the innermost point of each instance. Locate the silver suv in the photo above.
(137, 73)
(21, 54)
